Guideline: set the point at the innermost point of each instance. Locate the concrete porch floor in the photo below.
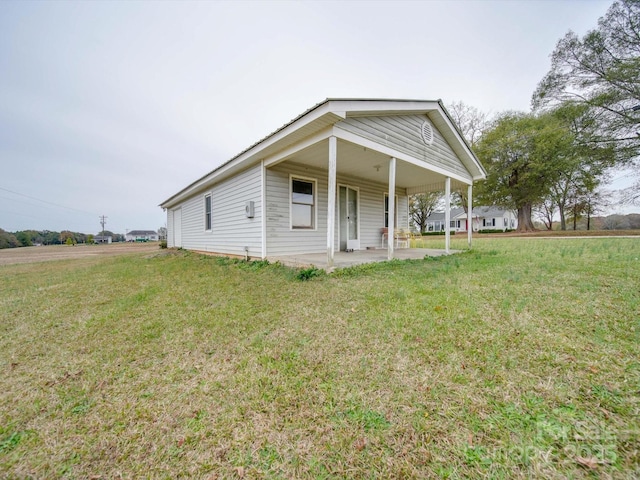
(358, 257)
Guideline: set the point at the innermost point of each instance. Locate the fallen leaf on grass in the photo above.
(591, 463)
(240, 471)
(360, 444)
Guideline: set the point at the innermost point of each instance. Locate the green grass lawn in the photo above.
(517, 359)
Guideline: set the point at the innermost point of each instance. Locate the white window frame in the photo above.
(314, 213)
(210, 214)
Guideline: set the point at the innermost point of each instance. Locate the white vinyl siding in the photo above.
(282, 240)
(231, 229)
(403, 133)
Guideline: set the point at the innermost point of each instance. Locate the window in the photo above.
(386, 212)
(506, 222)
(303, 203)
(207, 212)
(488, 222)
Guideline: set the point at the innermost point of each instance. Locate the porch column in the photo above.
(447, 213)
(392, 208)
(263, 208)
(331, 199)
(469, 214)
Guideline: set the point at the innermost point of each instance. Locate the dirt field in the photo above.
(9, 256)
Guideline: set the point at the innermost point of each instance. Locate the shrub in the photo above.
(428, 234)
(494, 230)
(163, 244)
(309, 273)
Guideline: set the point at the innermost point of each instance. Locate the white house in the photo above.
(141, 236)
(482, 218)
(329, 180)
(103, 239)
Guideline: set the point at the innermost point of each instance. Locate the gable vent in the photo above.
(426, 130)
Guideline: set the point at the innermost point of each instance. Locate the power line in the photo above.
(21, 214)
(45, 201)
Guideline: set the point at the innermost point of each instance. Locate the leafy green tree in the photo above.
(584, 166)
(600, 71)
(51, 238)
(8, 240)
(423, 205)
(67, 235)
(24, 238)
(523, 155)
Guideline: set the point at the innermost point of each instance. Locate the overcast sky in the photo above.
(109, 108)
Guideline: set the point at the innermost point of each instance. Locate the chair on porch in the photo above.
(384, 236)
(401, 239)
(416, 240)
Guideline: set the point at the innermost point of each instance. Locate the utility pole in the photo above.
(103, 220)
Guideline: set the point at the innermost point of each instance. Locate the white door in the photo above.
(349, 222)
(177, 228)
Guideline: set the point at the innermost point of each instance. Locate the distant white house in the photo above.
(103, 239)
(141, 236)
(484, 218)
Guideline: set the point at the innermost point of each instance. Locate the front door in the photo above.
(349, 223)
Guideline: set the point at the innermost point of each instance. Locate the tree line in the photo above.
(27, 238)
(551, 162)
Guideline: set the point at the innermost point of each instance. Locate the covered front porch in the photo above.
(341, 192)
(357, 257)
(357, 199)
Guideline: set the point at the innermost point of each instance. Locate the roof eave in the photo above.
(339, 108)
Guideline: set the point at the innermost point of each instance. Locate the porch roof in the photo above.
(305, 132)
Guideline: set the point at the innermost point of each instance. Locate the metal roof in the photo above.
(142, 232)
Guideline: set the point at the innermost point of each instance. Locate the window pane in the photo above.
(207, 212)
(301, 216)
(386, 212)
(302, 198)
(302, 192)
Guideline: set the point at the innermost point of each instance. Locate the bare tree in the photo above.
(616, 222)
(423, 205)
(545, 212)
(631, 195)
(470, 121)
